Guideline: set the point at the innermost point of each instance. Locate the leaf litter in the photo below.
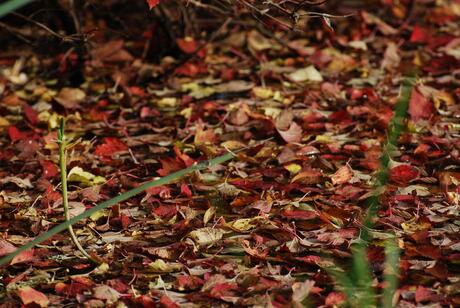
(258, 231)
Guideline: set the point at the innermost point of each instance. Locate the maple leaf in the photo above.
(403, 174)
(152, 3)
(110, 146)
(169, 165)
(293, 134)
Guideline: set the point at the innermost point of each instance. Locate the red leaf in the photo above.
(188, 161)
(191, 69)
(423, 294)
(169, 165)
(152, 3)
(223, 289)
(298, 214)
(31, 296)
(187, 44)
(15, 134)
(50, 170)
(419, 35)
(186, 282)
(31, 114)
(136, 91)
(185, 190)
(24, 256)
(166, 302)
(403, 174)
(162, 191)
(110, 146)
(165, 211)
(420, 107)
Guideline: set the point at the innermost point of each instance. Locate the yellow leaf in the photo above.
(167, 102)
(293, 168)
(4, 122)
(99, 214)
(197, 91)
(232, 145)
(309, 73)
(161, 266)
(262, 92)
(85, 178)
(323, 139)
(244, 224)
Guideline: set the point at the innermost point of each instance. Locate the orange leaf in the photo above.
(24, 256)
(342, 175)
(31, 296)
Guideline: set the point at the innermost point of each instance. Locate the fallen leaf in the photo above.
(206, 237)
(50, 170)
(402, 174)
(161, 266)
(23, 257)
(110, 146)
(152, 3)
(106, 293)
(343, 175)
(186, 44)
(293, 134)
(70, 98)
(301, 290)
(30, 296)
(77, 174)
(6, 247)
(420, 107)
(309, 73)
(22, 183)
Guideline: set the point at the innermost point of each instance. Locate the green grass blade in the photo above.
(10, 6)
(343, 280)
(391, 272)
(362, 277)
(358, 285)
(162, 181)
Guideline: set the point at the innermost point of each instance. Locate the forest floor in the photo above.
(311, 111)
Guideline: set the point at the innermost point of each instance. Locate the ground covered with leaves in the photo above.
(310, 110)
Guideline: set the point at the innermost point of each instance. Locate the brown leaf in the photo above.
(70, 98)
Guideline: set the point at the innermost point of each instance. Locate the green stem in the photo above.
(10, 6)
(65, 199)
(125, 196)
